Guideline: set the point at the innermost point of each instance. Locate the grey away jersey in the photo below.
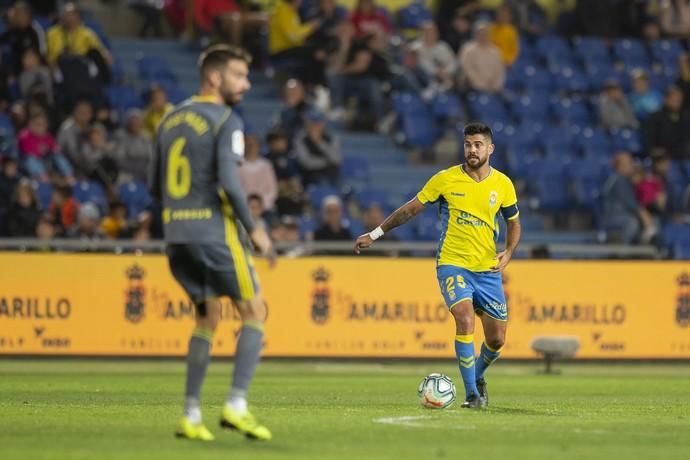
(199, 148)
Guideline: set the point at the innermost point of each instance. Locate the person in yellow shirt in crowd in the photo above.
(115, 225)
(71, 36)
(288, 41)
(505, 36)
(158, 108)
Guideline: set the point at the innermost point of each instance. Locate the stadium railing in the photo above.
(383, 248)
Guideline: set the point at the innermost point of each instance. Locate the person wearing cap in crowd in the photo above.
(317, 150)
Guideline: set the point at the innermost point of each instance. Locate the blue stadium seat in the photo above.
(591, 139)
(487, 106)
(600, 72)
(373, 195)
(551, 193)
(318, 192)
(520, 160)
(556, 138)
(176, 94)
(419, 130)
(447, 106)
(155, 69)
(44, 192)
(591, 49)
(428, 225)
(676, 238)
(667, 52)
(537, 79)
(631, 53)
(413, 15)
(355, 168)
(123, 98)
(572, 111)
(553, 45)
(531, 105)
(135, 196)
(92, 192)
(627, 139)
(408, 103)
(570, 79)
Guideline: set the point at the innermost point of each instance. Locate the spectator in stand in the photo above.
(45, 8)
(318, 151)
(683, 81)
(5, 79)
(481, 63)
(644, 99)
(35, 77)
(330, 16)
(88, 227)
(23, 35)
(364, 70)
(283, 160)
(614, 109)
(621, 210)
(71, 37)
(74, 131)
(368, 19)
(38, 149)
(373, 216)
(158, 108)
(226, 16)
(436, 58)
(332, 228)
(505, 36)
(63, 209)
(9, 179)
(291, 117)
(134, 148)
(257, 210)
(286, 232)
(454, 19)
(650, 189)
(115, 224)
(24, 211)
(256, 173)
(669, 128)
(45, 230)
(150, 12)
(599, 18)
(290, 198)
(675, 17)
(288, 42)
(100, 159)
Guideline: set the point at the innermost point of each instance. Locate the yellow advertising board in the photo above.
(129, 305)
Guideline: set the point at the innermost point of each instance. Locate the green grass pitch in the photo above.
(128, 409)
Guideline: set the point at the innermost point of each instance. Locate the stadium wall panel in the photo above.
(129, 305)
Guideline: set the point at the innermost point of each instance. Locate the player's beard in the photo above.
(230, 97)
(478, 165)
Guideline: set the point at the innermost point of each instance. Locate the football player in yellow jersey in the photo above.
(470, 196)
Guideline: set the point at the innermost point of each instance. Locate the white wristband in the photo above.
(376, 233)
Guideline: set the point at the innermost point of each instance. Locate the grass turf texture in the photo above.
(128, 410)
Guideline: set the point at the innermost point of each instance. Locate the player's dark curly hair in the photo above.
(217, 56)
(478, 128)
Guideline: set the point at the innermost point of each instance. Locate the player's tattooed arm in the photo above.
(403, 214)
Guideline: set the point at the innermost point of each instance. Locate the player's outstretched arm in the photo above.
(400, 216)
(512, 240)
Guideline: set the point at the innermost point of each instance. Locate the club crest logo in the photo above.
(321, 294)
(134, 294)
(683, 300)
(493, 197)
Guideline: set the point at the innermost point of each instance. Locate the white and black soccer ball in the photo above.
(437, 391)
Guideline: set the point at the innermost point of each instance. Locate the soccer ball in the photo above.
(437, 391)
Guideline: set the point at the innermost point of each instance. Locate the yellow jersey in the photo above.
(469, 213)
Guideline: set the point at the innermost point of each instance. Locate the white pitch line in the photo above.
(416, 421)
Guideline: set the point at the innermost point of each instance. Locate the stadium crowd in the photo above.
(589, 103)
